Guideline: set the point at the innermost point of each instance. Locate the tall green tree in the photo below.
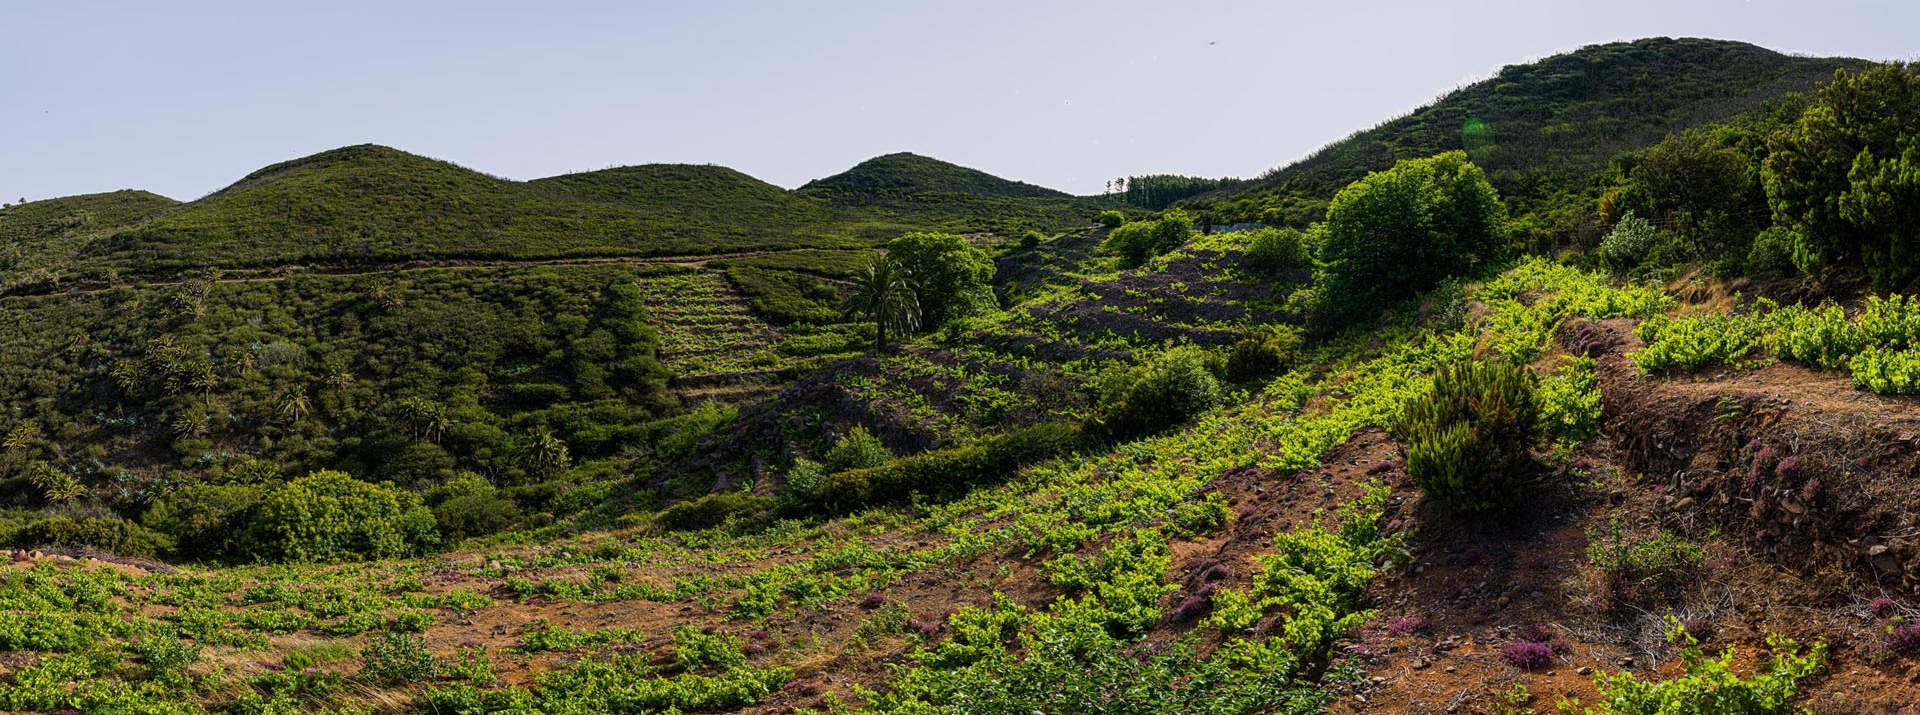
(951, 278)
(1399, 232)
(1845, 179)
(882, 293)
(1701, 187)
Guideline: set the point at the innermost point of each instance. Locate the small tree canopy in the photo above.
(952, 278)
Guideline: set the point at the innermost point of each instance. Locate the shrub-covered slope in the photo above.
(38, 239)
(1544, 126)
(913, 190)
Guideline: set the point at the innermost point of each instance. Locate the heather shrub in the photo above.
(329, 516)
(715, 509)
(1166, 390)
(1261, 351)
(859, 449)
(1469, 438)
(1271, 250)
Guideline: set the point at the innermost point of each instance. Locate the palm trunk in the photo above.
(879, 337)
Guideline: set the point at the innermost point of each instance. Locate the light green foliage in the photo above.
(711, 510)
(1696, 340)
(1469, 439)
(952, 278)
(1398, 233)
(1570, 401)
(1630, 242)
(1111, 218)
(1199, 517)
(1709, 686)
(1140, 241)
(693, 648)
(329, 516)
(1888, 372)
(541, 635)
(1122, 588)
(858, 449)
(1531, 301)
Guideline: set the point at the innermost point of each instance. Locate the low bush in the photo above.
(1262, 351)
(1638, 571)
(1630, 242)
(397, 659)
(713, 510)
(1772, 252)
(1111, 218)
(1469, 439)
(858, 449)
(329, 516)
(1708, 686)
(106, 533)
(1272, 250)
(206, 520)
(946, 473)
(1166, 390)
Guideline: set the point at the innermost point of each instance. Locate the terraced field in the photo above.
(714, 345)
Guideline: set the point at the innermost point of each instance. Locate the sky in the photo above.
(184, 97)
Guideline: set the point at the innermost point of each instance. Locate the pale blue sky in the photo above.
(185, 96)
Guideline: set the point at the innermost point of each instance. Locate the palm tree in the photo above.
(883, 293)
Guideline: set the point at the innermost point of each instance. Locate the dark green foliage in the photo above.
(1262, 351)
(1772, 252)
(106, 533)
(1140, 241)
(397, 659)
(859, 449)
(1704, 189)
(1154, 192)
(1272, 250)
(1031, 239)
(946, 473)
(914, 191)
(38, 239)
(471, 506)
(1398, 233)
(206, 520)
(1844, 177)
(713, 510)
(952, 278)
(409, 376)
(1168, 389)
(793, 286)
(1469, 440)
(329, 516)
(1552, 122)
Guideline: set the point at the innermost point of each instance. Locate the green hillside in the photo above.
(372, 204)
(39, 237)
(906, 189)
(1544, 126)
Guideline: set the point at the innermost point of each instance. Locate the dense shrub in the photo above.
(329, 516)
(1842, 177)
(1140, 241)
(859, 449)
(946, 472)
(1261, 351)
(1166, 390)
(1772, 252)
(1469, 438)
(1272, 250)
(475, 515)
(206, 520)
(1397, 233)
(397, 658)
(713, 510)
(1629, 243)
(1111, 218)
(106, 533)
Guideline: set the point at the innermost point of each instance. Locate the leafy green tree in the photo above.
(1111, 218)
(1699, 186)
(952, 278)
(1845, 178)
(882, 293)
(1399, 232)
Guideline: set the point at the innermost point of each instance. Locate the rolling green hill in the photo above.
(698, 195)
(372, 204)
(1545, 126)
(906, 189)
(39, 236)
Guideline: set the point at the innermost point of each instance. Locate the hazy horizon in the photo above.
(184, 100)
